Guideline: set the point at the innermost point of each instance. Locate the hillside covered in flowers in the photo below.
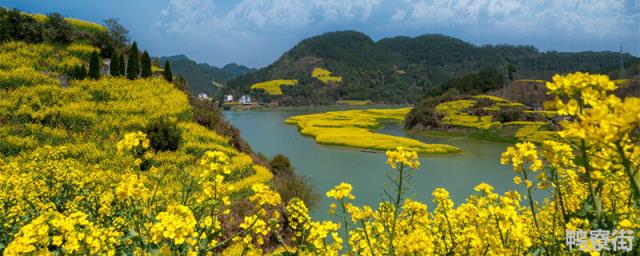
(117, 166)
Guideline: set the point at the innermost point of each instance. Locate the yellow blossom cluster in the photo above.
(176, 224)
(132, 187)
(340, 192)
(69, 235)
(403, 157)
(298, 217)
(132, 142)
(523, 155)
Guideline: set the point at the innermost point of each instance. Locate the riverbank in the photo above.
(467, 133)
(337, 106)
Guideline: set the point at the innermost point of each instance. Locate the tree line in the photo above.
(126, 59)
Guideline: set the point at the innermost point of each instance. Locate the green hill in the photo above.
(201, 77)
(403, 69)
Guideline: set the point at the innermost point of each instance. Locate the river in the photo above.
(327, 166)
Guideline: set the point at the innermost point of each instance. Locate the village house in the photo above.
(106, 67)
(245, 100)
(204, 96)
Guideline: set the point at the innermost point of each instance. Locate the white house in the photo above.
(245, 100)
(106, 67)
(204, 96)
(228, 98)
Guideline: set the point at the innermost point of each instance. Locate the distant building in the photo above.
(228, 98)
(245, 100)
(535, 106)
(106, 67)
(204, 96)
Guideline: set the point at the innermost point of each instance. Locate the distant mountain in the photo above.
(403, 69)
(202, 77)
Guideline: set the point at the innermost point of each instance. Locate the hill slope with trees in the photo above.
(403, 69)
(200, 77)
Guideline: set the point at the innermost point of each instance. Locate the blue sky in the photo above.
(256, 32)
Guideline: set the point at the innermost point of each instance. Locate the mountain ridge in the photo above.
(201, 76)
(402, 69)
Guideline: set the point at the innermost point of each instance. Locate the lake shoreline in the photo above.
(260, 108)
(328, 165)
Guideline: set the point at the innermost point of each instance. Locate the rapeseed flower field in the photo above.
(456, 114)
(352, 128)
(325, 76)
(78, 177)
(273, 87)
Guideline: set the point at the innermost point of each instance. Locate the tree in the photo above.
(163, 135)
(94, 66)
(115, 65)
(118, 33)
(82, 72)
(57, 30)
(167, 71)
(17, 26)
(122, 65)
(280, 165)
(511, 69)
(145, 63)
(132, 64)
(77, 72)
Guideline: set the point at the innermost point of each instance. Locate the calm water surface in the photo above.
(327, 166)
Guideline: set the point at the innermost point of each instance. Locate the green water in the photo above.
(266, 132)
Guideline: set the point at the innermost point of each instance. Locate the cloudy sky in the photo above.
(256, 32)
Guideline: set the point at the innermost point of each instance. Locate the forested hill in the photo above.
(402, 69)
(202, 77)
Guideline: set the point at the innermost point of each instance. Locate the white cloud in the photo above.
(250, 27)
(299, 13)
(569, 17)
(399, 15)
(257, 31)
(256, 14)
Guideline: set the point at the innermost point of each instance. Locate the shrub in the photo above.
(289, 184)
(509, 115)
(100, 95)
(295, 186)
(280, 165)
(164, 135)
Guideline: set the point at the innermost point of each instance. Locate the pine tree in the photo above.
(74, 73)
(122, 65)
(82, 72)
(94, 66)
(115, 65)
(133, 68)
(167, 71)
(145, 63)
